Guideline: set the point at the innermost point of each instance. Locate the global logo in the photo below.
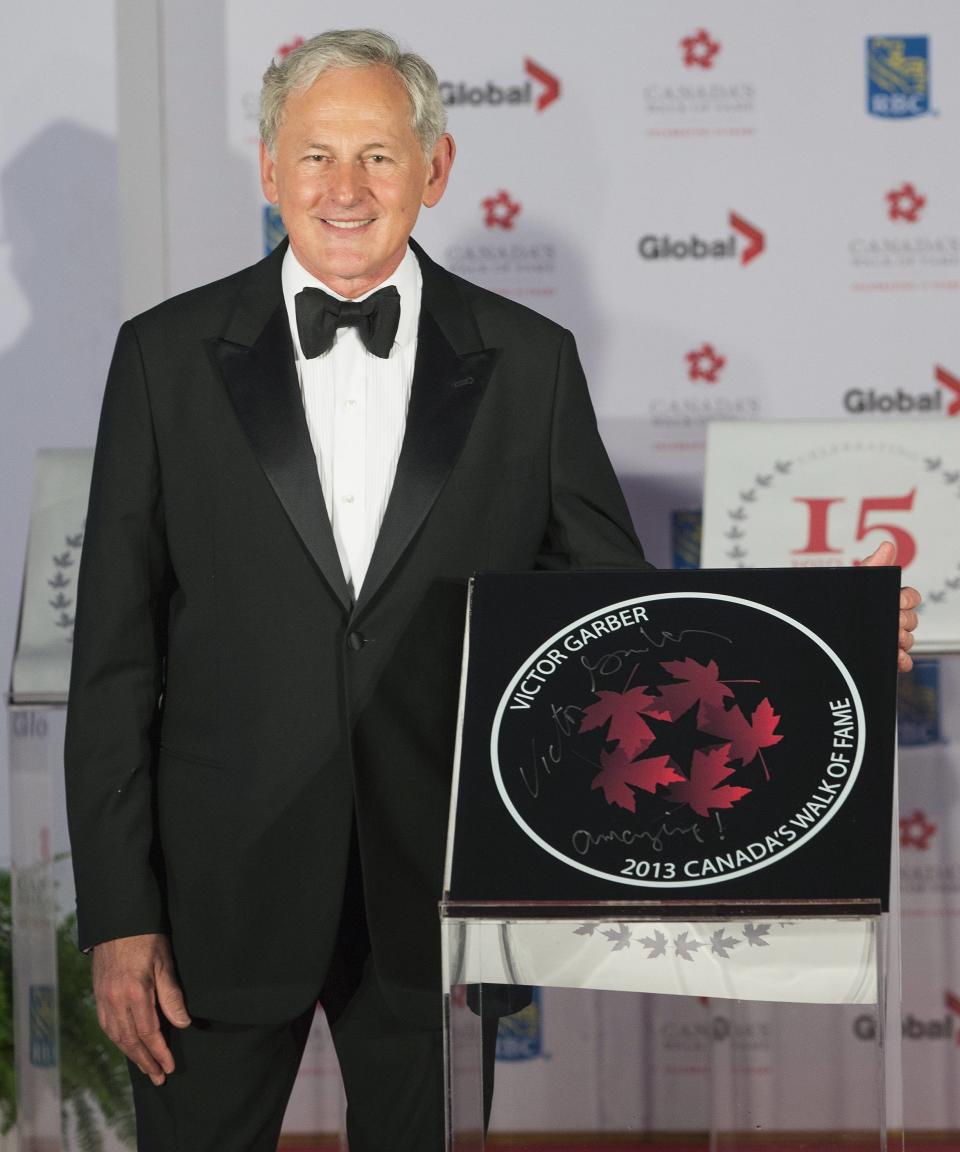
(500, 211)
(678, 739)
(942, 1028)
(873, 402)
(898, 76)
(541, 89)
(745, 242)
(699, 50)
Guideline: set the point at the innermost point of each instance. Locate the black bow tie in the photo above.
(319, 315)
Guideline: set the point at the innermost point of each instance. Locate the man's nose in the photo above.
(348, 183)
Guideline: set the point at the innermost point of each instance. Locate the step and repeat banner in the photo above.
(744, 210)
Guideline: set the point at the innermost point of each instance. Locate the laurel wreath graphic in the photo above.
(63, 563)
(764, 482)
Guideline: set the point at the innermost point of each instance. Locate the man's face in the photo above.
(349, 176)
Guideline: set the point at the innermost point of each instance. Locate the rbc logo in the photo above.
(273, 229)
(898, 76)
(520, 1036)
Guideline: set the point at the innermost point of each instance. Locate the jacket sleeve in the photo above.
(117, 673)
(589, 524)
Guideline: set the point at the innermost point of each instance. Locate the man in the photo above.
(283, 517)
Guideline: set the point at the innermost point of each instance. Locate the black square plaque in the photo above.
(711, 736)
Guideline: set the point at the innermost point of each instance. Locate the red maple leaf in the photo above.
(623, 710)
(703, 791)
(619, 775)
(700, 684)
(746, 737)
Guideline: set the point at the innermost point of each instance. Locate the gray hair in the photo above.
(353, 48)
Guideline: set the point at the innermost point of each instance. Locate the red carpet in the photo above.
(793, 1142)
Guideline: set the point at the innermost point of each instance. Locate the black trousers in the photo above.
(232, 1082)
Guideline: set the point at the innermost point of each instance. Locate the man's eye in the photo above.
(377, 158)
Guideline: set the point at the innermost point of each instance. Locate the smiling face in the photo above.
(349, 176)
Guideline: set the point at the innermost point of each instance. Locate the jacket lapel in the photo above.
(450, 375)
(256, 362)
(255, 358)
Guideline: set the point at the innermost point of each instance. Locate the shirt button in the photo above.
(347, 499)
(355, 641)
(348, 404)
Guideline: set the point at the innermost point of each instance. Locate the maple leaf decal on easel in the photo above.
(623, 711)
(631, 716)
(746, 737)
(697, 684)
(704, 791)
(619, 775)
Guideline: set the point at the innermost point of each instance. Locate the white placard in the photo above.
(41, 664)
(823, 493)
(809, 961)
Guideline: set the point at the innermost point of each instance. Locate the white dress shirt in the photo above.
(356, 409)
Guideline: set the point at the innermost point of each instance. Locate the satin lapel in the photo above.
(262, 383)
(447, 388)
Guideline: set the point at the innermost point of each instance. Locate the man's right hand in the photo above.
(132, 976)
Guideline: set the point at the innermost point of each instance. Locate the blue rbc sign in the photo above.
(43, 1026)
(918, 705)
(273, 229)
(520, 1036)
(898, 76)
(686, 532)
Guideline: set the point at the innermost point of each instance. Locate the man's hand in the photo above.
(909, 599)
(131, 977)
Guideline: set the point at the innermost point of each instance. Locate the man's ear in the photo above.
(268, 180)
(438, 172)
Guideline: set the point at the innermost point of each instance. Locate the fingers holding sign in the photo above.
(885, 555)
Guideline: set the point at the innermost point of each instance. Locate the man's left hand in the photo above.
(909, 599)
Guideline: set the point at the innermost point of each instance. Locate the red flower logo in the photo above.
(285, 49)
(916, 831)
(905, 203)
(500, 210)
(705, 363)
(699, 49)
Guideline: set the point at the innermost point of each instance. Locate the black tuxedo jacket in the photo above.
(231, 709)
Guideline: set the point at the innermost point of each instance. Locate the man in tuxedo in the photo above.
(283, 517)
(297, 470)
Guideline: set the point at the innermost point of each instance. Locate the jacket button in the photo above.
(355, 641)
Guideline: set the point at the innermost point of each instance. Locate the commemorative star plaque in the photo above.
(718, 738)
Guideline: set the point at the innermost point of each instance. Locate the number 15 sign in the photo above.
(815, 494)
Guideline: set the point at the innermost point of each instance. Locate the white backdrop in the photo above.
(737, 129)
(59, 260)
